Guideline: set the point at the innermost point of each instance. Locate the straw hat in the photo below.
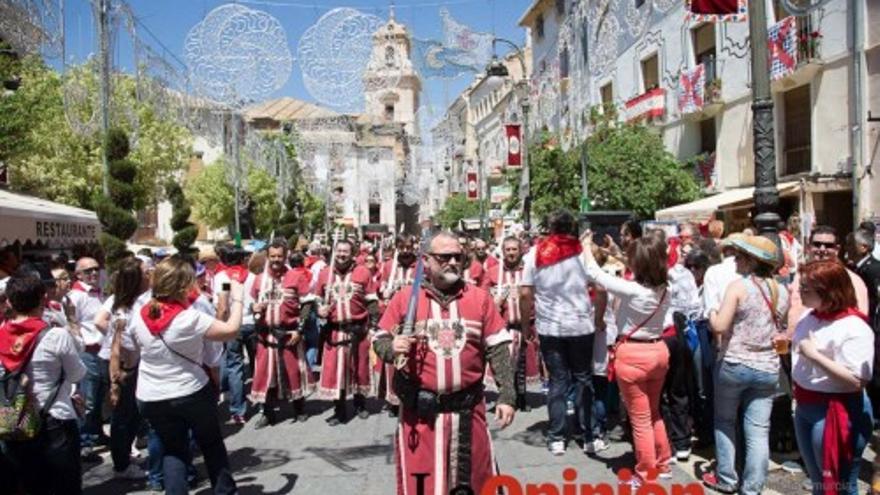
(758, 247)
(728, 241)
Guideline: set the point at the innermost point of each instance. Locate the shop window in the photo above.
(796, 126)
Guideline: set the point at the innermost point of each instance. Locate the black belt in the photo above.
(639, 341)
(279, 333)
(356, 331)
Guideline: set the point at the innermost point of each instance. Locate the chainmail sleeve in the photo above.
(499, 358)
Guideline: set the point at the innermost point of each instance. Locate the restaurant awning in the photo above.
(28, 219)
(701, 210)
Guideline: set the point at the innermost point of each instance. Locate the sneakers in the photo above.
(569, 407)
(597, 445)
(89, 454)
(711, 481)
(682, 455)
(665, 473)
(334, 420)
(557, 448)
(793, 467)
(237, 419)
(132, 472)
(545, 387)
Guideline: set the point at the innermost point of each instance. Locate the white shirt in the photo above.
(120, 314)
(212, 352)
(164, 374)
(715, 283)
(604, 339)
(684, 296)
(316, 270)
(57, 350)
(638, 305)
(562, 304)
(848, 341)
(247, 313)
(87, 306)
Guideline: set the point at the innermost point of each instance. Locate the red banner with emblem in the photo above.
(514, 145)
(473, 186)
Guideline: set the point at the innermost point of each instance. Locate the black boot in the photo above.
(360, 406)
(265, 418)
(338, 417)
(299, 411)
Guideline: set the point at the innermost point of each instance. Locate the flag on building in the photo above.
(514, 145)
(691, 89)
(649, 105)
(782, 41)
(468, 47)
(473, 186)
(716, 10)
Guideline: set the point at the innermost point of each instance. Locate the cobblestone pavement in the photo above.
(357, 458)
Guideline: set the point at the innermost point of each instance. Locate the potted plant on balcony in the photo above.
(713, 90)
(808, 45)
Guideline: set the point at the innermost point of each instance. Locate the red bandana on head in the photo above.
(237, 273)
(159, 315)
(18, 340)
(556, 248)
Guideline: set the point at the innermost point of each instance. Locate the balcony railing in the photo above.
(808, 38)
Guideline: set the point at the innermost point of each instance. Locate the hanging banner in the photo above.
(649, 105)
(473, 187)
(514, 145)
(691, 89)
(716, 10)
(783, 48)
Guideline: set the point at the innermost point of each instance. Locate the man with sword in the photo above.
(440, 334)
(280, 369)
(349, 304)
(503, 282)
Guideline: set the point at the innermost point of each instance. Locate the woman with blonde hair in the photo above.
(173, 389)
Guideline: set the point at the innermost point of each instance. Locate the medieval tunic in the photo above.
(394, 277)
(510, 311)
(278, 365)
(450, 356)
(345, 365)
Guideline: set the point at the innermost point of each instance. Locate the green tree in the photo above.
(48, 159)
(115, 209)
(262, 188)
(455, 209)
(185, 232)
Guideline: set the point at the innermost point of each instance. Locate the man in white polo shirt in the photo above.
(554, 284)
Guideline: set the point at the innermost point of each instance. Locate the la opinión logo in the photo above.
(509, 485)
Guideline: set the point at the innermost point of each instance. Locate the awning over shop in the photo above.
(702, 209)
(28, 219)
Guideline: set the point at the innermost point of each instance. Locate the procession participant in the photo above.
(86, 298)
(443, 431)
(481, 254)
(281, 371)
(396, 275)
(474, 272)
(349, 305)
(503, 282)
(59, 305)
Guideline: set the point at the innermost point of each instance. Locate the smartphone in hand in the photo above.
(226, 287)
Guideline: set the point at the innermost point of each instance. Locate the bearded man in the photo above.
(442, 442)
(349, 304)
(280, 369)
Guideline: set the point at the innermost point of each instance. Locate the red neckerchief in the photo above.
(166, 312)
(837, 447)
(843, 313)
(237, 273)
(310, 260)
(556, 248)
(672, 252)
(18, 340)
(81, 287)
(55, 306)
(192, 296)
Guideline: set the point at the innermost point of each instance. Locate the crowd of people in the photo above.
(735, 344)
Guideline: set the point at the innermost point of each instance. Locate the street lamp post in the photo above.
(766, 194)
(498, 69)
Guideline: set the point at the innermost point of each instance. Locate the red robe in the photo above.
(510, 311)
(390, 283)
(282, 296)
(349, 294)
(474, 273)
(450, 355)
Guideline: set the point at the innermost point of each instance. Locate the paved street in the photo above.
(357, 458)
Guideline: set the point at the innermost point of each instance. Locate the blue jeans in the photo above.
(155, 452)
(737, 385)
(233, 370)
(94, 387)
(569, 361)
(124, 424)
(173, 419)
(809, 425)
(312, 338)
(599, 418)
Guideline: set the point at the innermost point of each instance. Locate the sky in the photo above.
(170, 21)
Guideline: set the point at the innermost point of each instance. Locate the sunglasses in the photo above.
(445, 258)
(90, 271)
(825, 245)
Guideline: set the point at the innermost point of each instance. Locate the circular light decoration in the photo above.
(337, 52)
(237, 55)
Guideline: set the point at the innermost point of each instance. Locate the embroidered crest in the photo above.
(446, 337)
(343, 291)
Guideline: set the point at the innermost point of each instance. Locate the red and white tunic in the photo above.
(510, 311)
(344, 367)
(474, 273)
(450, 355)
(281, 294)
(394, 277)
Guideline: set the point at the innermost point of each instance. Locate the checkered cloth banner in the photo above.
(691, 89)
(716, 10)
(782, 41)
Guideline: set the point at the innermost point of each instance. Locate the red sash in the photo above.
(158, 315)
(556, 248)
(18, 340)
